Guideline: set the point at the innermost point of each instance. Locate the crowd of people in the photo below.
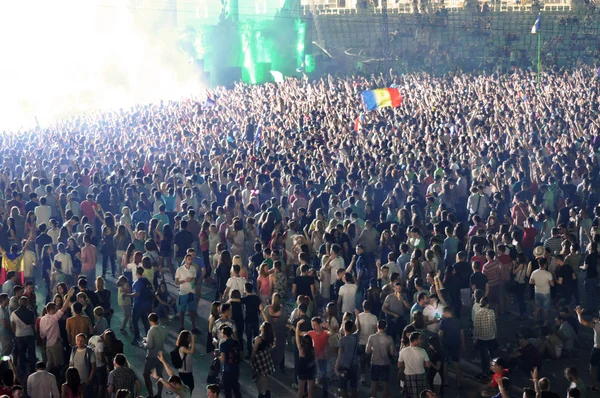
(366, 243)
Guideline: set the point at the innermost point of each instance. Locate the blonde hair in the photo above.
(236, 260)
(100, 285)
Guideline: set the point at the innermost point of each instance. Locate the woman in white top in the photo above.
(65, 259)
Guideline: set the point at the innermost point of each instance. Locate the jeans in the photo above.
(26, 353)
(139, 313)
(230, 383)
(113, 264)
(591, 294)
(251, 333)
(520, 293)
(322, 365)
(486, 352)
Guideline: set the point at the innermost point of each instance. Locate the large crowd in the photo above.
(366, 243)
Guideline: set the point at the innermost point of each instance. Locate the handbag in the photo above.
(343, 371)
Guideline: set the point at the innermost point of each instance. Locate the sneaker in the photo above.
(295, 386)
(135, 343)
(124, 332)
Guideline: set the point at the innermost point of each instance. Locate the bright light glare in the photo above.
(63, 57)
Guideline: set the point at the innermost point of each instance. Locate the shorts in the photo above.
(380, 373)
(351, 378)
(151, 364)
(187, 303)
(595, 357)
(452, 353)
(542, 301)
(494, 294)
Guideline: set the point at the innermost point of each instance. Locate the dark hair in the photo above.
(120, 359)
(73, 380)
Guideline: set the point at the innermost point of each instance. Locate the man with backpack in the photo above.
(230, 356)
(143, 296)
(84, 360)
(155, 343)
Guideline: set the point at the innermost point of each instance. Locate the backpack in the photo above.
(147, 292)
(88, 356)
(176, 359)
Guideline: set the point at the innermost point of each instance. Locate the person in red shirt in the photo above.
(87, 208)
(500, 371)
(491, 269)
(529, 236)
(320, 339)
(506, 263)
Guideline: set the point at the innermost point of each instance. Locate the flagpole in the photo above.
(539, 60)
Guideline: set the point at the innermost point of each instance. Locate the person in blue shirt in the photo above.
(422, 301)
(161, 217)
(142, 303)
(140, 215)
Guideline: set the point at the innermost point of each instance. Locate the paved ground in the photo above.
(280, 383)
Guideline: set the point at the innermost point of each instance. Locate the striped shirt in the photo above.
(493, 272)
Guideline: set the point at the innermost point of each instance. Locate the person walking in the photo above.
(380, 346)
(185, 349)
(230, 356)
(484, 335)
(123, 377)
(261, 361)
(154, 343)
(412, 364)
(84, 360)
(185, 278)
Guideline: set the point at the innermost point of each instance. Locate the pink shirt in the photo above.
(89, 257)
(49, 327)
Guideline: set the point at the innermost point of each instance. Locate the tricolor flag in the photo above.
(536, 26)
(210, 101)
(381, 98)
(359, 121)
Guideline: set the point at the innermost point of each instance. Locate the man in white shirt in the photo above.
(368, 326)
(236, 282)
(84, 360)
(543, 280)
(185, 278)
(412, 362)
(50, 331)
(333, 263)
(43, 212)
(347, 294)
(42, 384)
(29, 262)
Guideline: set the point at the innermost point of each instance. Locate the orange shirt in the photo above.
(320, 342)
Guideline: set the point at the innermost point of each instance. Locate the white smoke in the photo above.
(63, 57)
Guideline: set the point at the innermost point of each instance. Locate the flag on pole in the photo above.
(359, 121)
(536, 26)
(258, 137)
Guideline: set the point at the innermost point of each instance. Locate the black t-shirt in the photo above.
(303, 285)
(184, 240)
(43, 239)
(463, 274)
(231, 349)
(252, 303)
(566, 273)
(592, 262)
(549, 394)
(479, 280)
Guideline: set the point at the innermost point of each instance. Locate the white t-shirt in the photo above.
(335, 264)
(236, 283)
(430, 314)
(132, 267)
(97, 344)
(542, 279)
(348, 295)
(368, 326)
(413, 359)
(182, 274)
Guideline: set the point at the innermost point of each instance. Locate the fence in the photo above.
(442, 40)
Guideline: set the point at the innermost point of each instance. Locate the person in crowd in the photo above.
(122, 377)
(412, 364)
(185, 278)
(380, 346)
(174, 384)
(83, 359)
(154, 344)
